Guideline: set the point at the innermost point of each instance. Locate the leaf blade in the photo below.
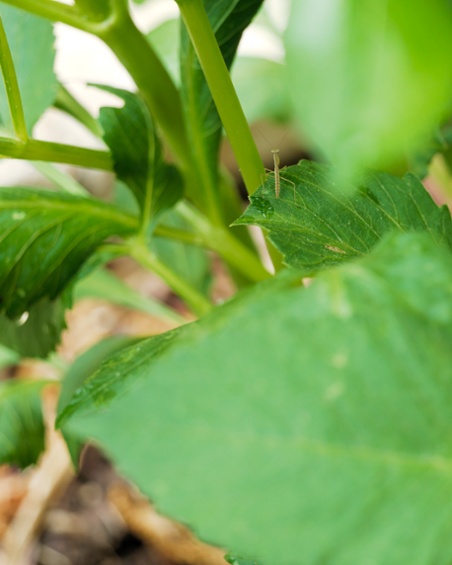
(137, 154)
(21, 423)
(315, 225)
(309, 452)
(378, 76)
(45, 238)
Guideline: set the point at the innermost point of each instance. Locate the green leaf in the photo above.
(369, 80)
(191, 263)
(300, 425)
(39, 332)
(82, 368)
(237, 560)
(137, 155)
(228, 20)
(21, 422)
(99, 392)
(31, 42)
(45, 239)
(315, 225)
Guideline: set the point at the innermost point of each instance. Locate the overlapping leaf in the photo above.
(39, 332)
(315, 225)
(299, 425)
(31, 42)
(44, 240)
(369, 80)
(21, 422)
(137, 155)
(79, 372)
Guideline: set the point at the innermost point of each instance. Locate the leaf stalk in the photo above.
(12, 86)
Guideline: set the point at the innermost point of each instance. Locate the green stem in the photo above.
(120, 8)
(223, 92)
(62, 180)
(153, 81)
(179, 235)
(221, 241)
(55, 11)
(68, 104)
(197, 302)
(12, 86)
(134, 51)
(33, 150)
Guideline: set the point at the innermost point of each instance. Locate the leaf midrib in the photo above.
(72, 207)
(436, 463)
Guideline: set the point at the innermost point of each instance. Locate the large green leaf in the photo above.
(108, 383)
(228, 18)
(137, 154)
(315, 225)
(82, 368)
(44, 240)
(21, 423)
(369, 79)
(31, 42)
(39, 332)
(300, 425)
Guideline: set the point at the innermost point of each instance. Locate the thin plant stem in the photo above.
(136, 54)
(51, 10)
(34, 150)
(221, 241)
(182, 236)
(12, 87)
(138, 250)
(71, 106)
(223, 92)
(153, 81)
(62, 180)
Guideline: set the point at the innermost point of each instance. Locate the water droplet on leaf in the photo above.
(21, 321)
(263, 205)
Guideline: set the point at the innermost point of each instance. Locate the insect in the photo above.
(277, 169)
(277, 173)
(276, 163)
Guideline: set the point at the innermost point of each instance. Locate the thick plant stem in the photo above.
(12, 87)
(153, 81)
(33, 150)
(197, 302)
(223, 92)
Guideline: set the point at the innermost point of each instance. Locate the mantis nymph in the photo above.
(276, 172)
(276, 163)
